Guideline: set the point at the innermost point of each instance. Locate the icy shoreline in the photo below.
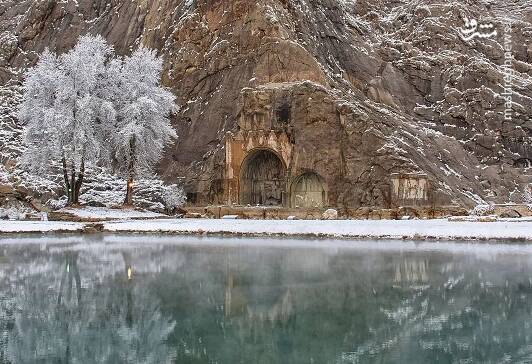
(516, 229)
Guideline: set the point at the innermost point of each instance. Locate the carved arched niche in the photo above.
(308, 191)
(262, 179)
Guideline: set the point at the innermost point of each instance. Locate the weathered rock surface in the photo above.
(375, 87)
(330, 214)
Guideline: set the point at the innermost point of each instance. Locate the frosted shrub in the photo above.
(105, 189)
(11, 214)
(173, 197)
(14, 210)
(57, 204)
(482, 210)
(150, 193)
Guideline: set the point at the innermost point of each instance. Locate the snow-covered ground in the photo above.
(102, 213)
(423, 229)
(38, 226)
(376, 229)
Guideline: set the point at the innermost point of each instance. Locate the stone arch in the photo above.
(262, 178)
(308, 190)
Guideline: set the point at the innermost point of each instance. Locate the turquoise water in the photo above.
(190, 300)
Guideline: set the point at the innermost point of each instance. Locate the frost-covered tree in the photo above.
(86, 106)
(65, 116)
(143, 107)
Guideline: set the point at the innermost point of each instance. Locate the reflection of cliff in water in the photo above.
(254, 317)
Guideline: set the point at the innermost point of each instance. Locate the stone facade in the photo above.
(297, 146)
(290, 150)
(262, 164)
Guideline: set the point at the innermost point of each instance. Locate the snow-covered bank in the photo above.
(102, 213)
(39, 226)
(375, 229)
(380, 229)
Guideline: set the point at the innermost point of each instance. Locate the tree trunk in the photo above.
(72, 190)
(73, 183)
(129, 192)
(79, 181)
(67, 182)
(62, 285)
(130, 173)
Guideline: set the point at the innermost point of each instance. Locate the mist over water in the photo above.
(131, 299)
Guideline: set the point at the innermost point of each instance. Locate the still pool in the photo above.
(138, 299)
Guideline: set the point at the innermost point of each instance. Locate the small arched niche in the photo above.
(523, 163)
(262, 179)
(308, 191)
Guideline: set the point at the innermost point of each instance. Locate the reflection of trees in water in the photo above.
(7, 319)
(58, 321)
(70, 274)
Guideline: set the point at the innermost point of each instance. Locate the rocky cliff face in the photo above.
(399, 89)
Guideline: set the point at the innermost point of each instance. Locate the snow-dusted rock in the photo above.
(330, 214)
